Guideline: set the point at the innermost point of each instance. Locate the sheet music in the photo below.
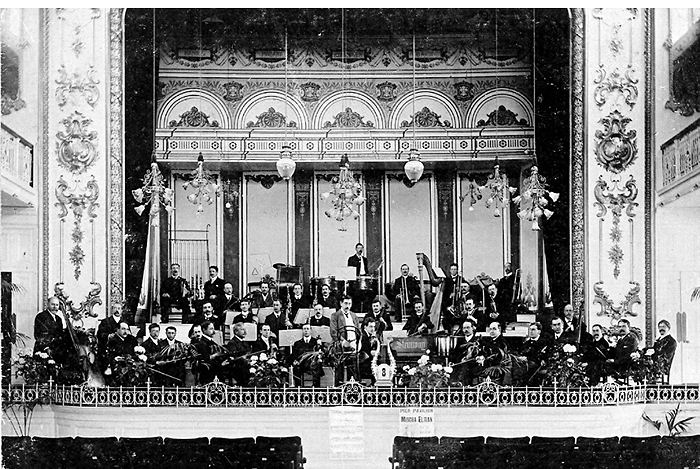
(251, 332)
(263, 313)
(439, 273)
(324, 332)
(287, 337)
(303, 315)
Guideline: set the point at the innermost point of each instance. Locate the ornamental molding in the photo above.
(75, 149)
(348, 119)
(464, 91)
(85, 86)
(617, 200)
(232, 91)
(608, 307)
(624, 84)
(401, 177)
(387, 91)
(271, 118)
(616, 146)
(78, 201)
(10, 105)
(193, 118)
(265, 180)
(309, 92)
(426, 118)
(500, 117)
(83, 309)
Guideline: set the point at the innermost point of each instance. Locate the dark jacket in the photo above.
(493, 350)
(323, 321)
(664, 351)
(47, 330)
(214, 288)
(354, 261)
(118, 347)
(300, 347)
(624, 347)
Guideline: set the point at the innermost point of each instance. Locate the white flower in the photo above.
(433, 367)
(448, 369)
(252, 370)
(405, 368)
(37, 354)
(263, 357)
(253, 359)
(634, 355)
(650, 352)
(568, 348)
(283, 369)
(108, 372)
(570, 361)
(143, 357)
(412, 371)
(139, 350)
(611, 379)
(272, 361)
(427, 352)
(51, 362)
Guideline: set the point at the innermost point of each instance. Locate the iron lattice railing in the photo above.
(217, 394)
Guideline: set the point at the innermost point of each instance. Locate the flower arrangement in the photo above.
(425, 374)
(132, 370)
(564, 368)
(267, 372)
(36, 369)
(644, 367)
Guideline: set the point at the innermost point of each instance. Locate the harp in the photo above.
(435, 281)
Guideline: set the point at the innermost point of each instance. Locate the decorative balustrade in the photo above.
(680, 156)
(217, 394)
(16, 158)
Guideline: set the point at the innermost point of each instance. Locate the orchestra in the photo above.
(472, 314)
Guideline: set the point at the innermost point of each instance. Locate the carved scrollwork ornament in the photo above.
(271, 118)
(348, 119)
(608, 307)
(501, 116)
(193, 118)
(426, 118)
(83, 309)
(76, 151)
(75, 83)
(606, 84)
(616, 146)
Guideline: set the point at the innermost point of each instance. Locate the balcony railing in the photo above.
(16, 158)
(680, 156)
(216, 394)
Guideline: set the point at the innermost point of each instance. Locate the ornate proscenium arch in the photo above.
(197, 97)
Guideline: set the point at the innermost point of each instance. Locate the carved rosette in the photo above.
(616, 146)
(193, 118)
(426, 118)
(348, 119)
(464, 91)
(271, 118)
(500, 117)
(76, 149)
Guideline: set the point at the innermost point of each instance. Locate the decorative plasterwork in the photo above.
(271, 118)
(616, 42)
(387, 91)
(85, 86)
(405, 180)
(464, 91)
(649, 65)
(309, 91)
(233, 91)
(83, 309)
(348, 119)
(265, 180)
(426, 118)
(78, 201)
(616, 146)
(9, 104)
(617, 200)
(608, 307)
(501, 116)
(193, 118)
(76, 150)
(606, 84)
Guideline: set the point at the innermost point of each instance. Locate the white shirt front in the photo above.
(349, 327)
(362, 266)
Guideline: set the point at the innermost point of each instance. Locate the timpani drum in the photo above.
(318, 282)
(445, 344)
(367, 283)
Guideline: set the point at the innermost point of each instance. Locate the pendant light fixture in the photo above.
(414, 166)
(286, 164)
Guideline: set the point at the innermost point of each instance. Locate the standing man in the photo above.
(665, 346)
(358, 261)
(48, 327)
(345, 330)
(626, 344)
(175, 291)
(450, 298)
(228, 301)
(405, 288)
(214, 287)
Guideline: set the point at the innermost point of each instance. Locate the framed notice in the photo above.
(416, 421)
(346, 435)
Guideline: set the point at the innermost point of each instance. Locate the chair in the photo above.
(272, 452)
(408, 451)
(186, 452)
(16, 451)
(232, 452)
(51, 453)
(462, 447)
(99, 453)
(143, 452)
(507, 452)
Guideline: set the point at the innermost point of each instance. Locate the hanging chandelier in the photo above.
(499, 191)
(474, 194)
(533, 201)
(153, 192)
(345, 194)
(414, 166)
(286, 164)
(206, 190)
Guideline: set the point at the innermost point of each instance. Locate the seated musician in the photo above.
(327, 298)
(171, 359)
(627, 343)
(107, 326)
(245, 315)
(303, 361)
(381, 317)
(405, 287)
(479, 317)
(369, 347)
(561, 336)
(450, 307)
(463, 355)
(318, 319)
(152, 344)
(175, 291)
(575, 326)
(345, 329)
(207, 315)
(264, 297)
(278, 319)
(493, 348)
(299, 299)
(237, 363)
(227, 302)
(535, 349)
(265, 342)
(419, 321)
(120, 345)
(595, 354)
(195, 334)
(664, 346)
(210, 355)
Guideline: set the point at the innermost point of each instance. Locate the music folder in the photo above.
(287, 337)
(251, 331)
(324, 332)
(263, 313)
(303, 315)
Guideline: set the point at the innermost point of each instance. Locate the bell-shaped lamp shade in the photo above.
(139, 209)
(554, 196)
(414, 167)
(285, 164)
(138, 195)
(548, 213)
(192, 198)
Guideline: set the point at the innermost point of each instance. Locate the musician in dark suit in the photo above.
(327, 298)
(264, 297)
(535, 349)
(48, 327)
(665, 346)
(345, 332)
(406, 287)
(214, 287)
(305, 364)
(369, 346)
(207, 315)
(494, 308)
(318, 319)
(245, 315)
(175, 291)
(120, 344)
(450, 298)
(265, 342)
(493, 348)
(107, 326)
(594, 354)
(152, 344)
(358, 261)
(228, 301)
(210, 355)
(627, 343)
(560, 335)
(380, 316)
(278, 319)
(575, 326)
(419, 321)
(463, 355)
(238, 363)
(172, 349)
(298, 300)
(506, 286)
